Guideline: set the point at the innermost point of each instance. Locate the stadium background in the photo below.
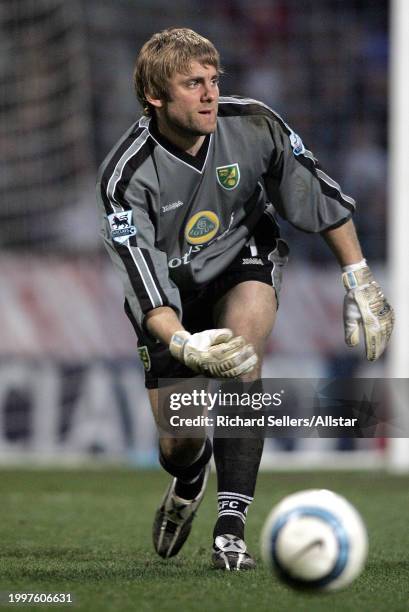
(71, 386)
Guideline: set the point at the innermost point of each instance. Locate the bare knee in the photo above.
(181, 451)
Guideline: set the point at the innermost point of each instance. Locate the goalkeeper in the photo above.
(187, 200)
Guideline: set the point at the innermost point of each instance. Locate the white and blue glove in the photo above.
(365, 306)
(215, 353)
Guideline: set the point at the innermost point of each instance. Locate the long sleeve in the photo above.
(128, 231)
(301, 191)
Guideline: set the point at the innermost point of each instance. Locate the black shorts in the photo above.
(254, 262)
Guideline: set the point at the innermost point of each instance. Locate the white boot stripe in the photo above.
(226, 560)
(173, 541)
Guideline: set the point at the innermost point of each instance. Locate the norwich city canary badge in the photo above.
(228, 176)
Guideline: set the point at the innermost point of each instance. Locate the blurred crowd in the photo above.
(66, 96)
(66, 73)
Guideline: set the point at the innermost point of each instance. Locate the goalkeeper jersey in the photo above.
(172, 222)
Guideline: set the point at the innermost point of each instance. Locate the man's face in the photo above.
(193, 101)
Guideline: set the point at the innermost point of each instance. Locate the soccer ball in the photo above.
(315, 539)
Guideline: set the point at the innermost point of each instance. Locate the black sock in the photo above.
(189, 490)
(237, 462)
(189, 478)
(232, 513)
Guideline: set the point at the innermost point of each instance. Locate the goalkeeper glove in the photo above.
(365, 304)
(214, 352)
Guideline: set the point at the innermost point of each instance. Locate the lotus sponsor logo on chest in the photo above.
(202, 227)
(121, 226)
(187, 257)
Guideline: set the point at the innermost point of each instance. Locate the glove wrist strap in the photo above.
(359, 265)
(358, 278)
(177, 344)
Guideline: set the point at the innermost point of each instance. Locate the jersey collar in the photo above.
(197, 162)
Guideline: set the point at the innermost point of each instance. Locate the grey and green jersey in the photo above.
(173, 222)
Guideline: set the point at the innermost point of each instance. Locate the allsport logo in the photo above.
(228, 177)
(202, 227)
(121, 228)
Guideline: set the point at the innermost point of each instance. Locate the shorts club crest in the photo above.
(144, 357)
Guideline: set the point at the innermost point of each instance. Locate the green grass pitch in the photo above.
(89, 533)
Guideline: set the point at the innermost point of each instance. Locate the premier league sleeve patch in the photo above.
(121, 226)
(296, 144)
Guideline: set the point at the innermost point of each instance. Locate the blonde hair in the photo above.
(165, 54)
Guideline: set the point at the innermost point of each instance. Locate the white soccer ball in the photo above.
(315, 539)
